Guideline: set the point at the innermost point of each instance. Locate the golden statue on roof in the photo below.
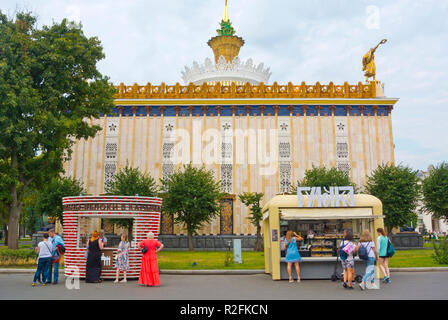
(368, 63)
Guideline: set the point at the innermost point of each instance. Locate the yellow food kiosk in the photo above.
(327, 218)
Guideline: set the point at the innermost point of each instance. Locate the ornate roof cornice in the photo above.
(247, 91)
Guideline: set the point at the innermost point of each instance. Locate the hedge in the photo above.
(8, 256)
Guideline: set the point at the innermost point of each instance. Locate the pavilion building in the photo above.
(256, 136)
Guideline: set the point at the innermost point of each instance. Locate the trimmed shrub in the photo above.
(20, 256)
(440, 251)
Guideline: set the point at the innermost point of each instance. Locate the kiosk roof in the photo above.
(291, 201)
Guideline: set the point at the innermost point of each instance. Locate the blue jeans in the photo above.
(370, 270)
(43, 268)
(56, 272)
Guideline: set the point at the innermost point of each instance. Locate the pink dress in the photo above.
(149, 272)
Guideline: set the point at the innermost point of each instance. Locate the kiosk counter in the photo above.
(327, 223)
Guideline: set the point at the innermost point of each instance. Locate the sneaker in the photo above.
(44, 284)
(344, 284)
(385, 279)
(362, 286)
(350, 287)
(388, 280)
(33, 284)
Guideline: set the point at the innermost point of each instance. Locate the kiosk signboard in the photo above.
(331, 197)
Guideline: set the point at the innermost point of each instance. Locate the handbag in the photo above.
(144, 249)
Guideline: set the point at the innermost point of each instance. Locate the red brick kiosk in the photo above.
(82, 213)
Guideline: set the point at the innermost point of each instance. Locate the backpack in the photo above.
(390, 249)
(342, 254)
(61, 249)
(363, 252)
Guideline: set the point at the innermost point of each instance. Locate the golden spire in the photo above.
(226, 13)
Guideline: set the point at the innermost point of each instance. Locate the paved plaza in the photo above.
(406, 285)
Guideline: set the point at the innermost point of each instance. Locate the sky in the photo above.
(320, 40)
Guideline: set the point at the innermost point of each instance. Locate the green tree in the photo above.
(398, 189)
(323, 177)
(50, 90)
(435, 191)
(193, 197)
(49, 200)
(130, 182)
(252, 201)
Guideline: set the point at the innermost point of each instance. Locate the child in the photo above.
(122, 257)
(347, 260)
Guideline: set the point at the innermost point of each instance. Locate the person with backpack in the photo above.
(383, 245)
(292, 253)
(366, 251)
(58, 251)
(346, 254)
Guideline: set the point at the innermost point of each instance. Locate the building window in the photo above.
(342, 150)
(226, 217)
(226, 178)
(285, 177)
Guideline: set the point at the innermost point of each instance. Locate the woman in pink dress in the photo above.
(149, 271)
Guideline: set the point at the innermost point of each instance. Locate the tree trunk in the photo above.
(14, 210)
(13, 227)
(190, 241)
(258, 243)
(22, 231)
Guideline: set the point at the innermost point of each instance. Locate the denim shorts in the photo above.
(348, 264)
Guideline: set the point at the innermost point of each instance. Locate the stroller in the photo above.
(339, 276)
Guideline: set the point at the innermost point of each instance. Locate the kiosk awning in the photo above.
(326, 213)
